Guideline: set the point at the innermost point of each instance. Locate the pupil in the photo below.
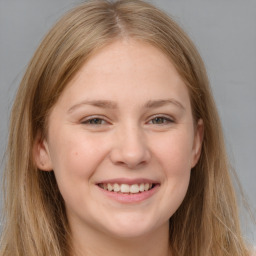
(95, 121)
(158, 120)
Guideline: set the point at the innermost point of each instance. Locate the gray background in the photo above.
(225, 34)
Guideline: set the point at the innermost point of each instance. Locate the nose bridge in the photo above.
(131, 147)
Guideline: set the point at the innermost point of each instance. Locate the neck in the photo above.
(95, 243)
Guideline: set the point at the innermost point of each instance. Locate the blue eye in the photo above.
(161, 120)
(94, 121)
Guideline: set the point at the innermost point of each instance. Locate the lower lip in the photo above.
(130, 198)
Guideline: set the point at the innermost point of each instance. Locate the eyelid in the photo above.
(166, 117)
(86, 120)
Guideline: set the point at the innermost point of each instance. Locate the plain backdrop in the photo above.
(224, 32)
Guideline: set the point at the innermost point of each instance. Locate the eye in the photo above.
(161, 120)
(94, 121)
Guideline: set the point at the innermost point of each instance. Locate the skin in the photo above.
(145, 130)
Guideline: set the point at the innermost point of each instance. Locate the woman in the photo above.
(122, 148)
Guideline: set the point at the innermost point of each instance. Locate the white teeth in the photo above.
(110, 187)
(134, 188)
(116, 187)
(125, 188)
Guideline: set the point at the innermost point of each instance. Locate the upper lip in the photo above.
(128, 181)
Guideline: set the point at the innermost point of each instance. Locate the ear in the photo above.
(198, 141)
(41, 154)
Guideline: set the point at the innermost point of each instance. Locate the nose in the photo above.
(130, 148)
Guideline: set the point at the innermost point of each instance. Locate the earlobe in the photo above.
(198, 141)
(41, 154)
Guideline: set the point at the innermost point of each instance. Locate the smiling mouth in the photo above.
(127, 189)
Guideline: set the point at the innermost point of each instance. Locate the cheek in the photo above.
(75, 158)
(175, 159)
(175, 153)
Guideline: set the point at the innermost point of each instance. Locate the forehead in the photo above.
(127, 68)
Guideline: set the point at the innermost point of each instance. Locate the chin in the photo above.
(129, 233)
(132, 227)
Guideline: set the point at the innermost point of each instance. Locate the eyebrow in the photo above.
(96, 103)
(112, 105)
(160, 103)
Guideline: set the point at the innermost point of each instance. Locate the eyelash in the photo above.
(166, 120)
(92, 119)
(97, 121)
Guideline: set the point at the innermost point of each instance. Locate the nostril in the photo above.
(129, 161)
(131, 151)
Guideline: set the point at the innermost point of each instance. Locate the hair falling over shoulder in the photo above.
(35, 221)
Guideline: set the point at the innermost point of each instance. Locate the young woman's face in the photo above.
(122, 142)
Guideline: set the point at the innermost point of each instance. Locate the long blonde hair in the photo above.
(35, 221)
